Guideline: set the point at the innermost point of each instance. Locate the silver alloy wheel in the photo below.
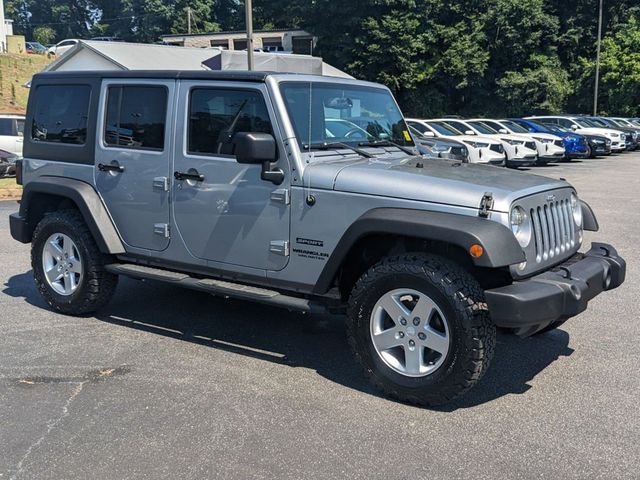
(409, 332)
(62, 264)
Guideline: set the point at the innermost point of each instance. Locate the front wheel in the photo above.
(68, 267)
(419, 326)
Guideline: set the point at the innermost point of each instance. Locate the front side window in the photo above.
(61, 113)
(325, 113)
(215, 115)
(136, 116)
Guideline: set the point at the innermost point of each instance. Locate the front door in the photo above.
(223, 211)
(133, 151)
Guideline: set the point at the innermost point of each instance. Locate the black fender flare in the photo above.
(501, 248)
(85, 197)
(589, 220)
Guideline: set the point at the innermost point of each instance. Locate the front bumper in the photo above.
(560, 293)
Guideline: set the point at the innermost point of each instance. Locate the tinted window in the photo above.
(20, 127)
(6, 126)
(136, 117)
(61, 113)
(215, 115)
(418, 126)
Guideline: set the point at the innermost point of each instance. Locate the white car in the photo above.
(521, 151)
(578, 125)
(11, 133)
(481, 149)
(62, 47)
(550, 147)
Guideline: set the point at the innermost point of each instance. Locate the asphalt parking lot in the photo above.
(168, 383)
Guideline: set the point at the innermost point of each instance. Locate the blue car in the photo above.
(575, 145)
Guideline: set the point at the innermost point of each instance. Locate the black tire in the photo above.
(461, 299)
(96, 286)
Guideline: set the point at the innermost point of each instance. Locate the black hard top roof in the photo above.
(237, 75)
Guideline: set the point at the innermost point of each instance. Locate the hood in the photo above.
(429, 180)
(513, 136)
(607, 132)
(548, 136)
(477, 139)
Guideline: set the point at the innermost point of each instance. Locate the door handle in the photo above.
(189, 176)
(110, 168)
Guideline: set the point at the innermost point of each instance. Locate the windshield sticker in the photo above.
(407, 137)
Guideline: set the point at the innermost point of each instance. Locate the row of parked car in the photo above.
(520, 142)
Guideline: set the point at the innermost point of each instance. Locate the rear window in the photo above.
(61, 113)
(136, 117)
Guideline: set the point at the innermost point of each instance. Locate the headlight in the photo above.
(576, 208)
(440, 148)
(520, 226)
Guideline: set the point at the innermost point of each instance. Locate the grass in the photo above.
(8, 183)
(15, 71)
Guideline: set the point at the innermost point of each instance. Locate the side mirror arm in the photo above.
(270, 174)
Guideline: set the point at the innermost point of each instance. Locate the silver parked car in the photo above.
(303, 192)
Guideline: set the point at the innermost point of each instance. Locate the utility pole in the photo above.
(189, 20)
(595, 93)
(248, 10)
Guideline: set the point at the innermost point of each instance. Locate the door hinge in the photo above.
(486, 204)
(161, 229)
(281, 195)
(161, 183)
(279, 247)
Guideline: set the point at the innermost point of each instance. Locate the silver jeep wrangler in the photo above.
(302, 192)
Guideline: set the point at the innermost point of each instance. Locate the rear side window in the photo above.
(6, 126)
(61, 113)
(136, 117)
(216, 114)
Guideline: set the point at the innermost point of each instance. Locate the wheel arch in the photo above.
(48, 194)
(387, 231)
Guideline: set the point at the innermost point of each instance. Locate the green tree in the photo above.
(44, 34)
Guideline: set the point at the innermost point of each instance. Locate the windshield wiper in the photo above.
(386, 143)
(329, 145)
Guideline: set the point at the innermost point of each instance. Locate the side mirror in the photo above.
(469, 132)
(258, 148)
(574, 127)
(428, 134)
(503, 130)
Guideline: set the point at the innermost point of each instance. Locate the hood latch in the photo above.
(486, 204)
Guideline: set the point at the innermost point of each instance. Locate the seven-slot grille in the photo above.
(496, 147)
(554, 230)
(530, 145)
(558, 143)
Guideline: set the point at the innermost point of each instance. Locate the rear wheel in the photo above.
(419, 326)
(68, 267)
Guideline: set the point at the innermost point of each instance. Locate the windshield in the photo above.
(483, 128)
(444, 129)
(597, 122)
(584, 123)
(514, 127)
(327, 113)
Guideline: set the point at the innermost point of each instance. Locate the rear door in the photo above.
(133, 155)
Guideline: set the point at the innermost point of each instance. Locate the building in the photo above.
(93, 55)
(6, 28)
(96, 55)
(282, 40)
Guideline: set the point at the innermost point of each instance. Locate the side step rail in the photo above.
(216, 287)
